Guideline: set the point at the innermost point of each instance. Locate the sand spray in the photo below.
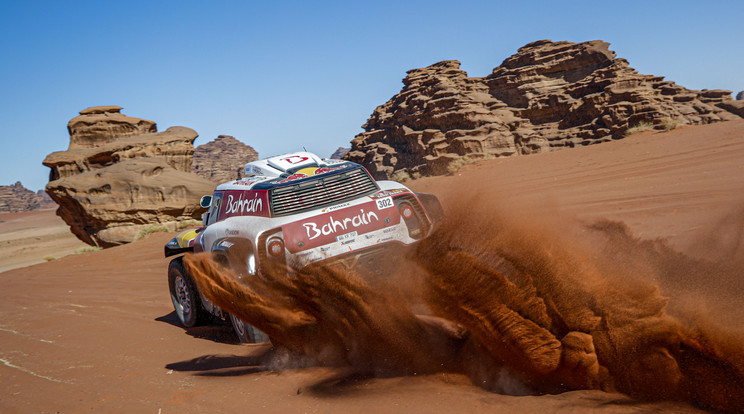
(523, 305)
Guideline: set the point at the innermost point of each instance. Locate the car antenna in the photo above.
(303, 148)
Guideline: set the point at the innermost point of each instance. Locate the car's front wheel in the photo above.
(247, 333)
(184, 295)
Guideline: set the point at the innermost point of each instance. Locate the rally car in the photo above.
(297, 210)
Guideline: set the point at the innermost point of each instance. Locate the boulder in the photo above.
(547, 96)
(109, 206)
(120, 175)
(223, 159)
(740, 96)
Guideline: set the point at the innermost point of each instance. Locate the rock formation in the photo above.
(119, 175)
(222, 159)
(740, 96)
(45, 199)
(102, 124)
(339, 153)
(548, 96)
(16, 198)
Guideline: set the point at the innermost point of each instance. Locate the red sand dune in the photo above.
(96, 332)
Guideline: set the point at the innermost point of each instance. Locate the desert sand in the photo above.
(96, 332)
(34, 237)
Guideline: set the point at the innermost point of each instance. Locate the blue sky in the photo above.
(282, 75)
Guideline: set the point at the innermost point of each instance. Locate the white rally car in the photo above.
(296, 210)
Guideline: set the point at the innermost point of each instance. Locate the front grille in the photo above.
(320, 192)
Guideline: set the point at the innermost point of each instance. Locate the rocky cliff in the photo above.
(119, 175)
(223, 159)
(548, 96)
(16, 198)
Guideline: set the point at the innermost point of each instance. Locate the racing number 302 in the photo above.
(384, 203)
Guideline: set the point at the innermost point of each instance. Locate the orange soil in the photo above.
(96, 331)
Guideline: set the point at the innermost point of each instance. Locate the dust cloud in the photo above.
(521, 305)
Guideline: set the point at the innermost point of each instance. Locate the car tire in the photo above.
(184, 295)
(247, 333)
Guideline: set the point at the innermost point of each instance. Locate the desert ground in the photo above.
(34, 237)
(96, 332)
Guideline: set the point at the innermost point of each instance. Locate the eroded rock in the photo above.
(101, 124)
(17, 198)
(223, 159)
(339, 153)
(548, 96)
(120, 175)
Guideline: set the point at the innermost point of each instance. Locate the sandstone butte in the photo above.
(547, 96)
(223, 159)
(120, 175)
(339, 153)
(17, 198)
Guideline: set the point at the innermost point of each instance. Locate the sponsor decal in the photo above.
(383, 203)
(295, 159)
(333, 226)
(333, 208)
(240, 205)
(387, 193)
(308, 172)
(389, 229)
(338, 225)
(231, 232)
(295, 176)
(323, 170)
(244, 203)
(348, 241)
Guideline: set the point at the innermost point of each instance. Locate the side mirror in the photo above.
(205, 201)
